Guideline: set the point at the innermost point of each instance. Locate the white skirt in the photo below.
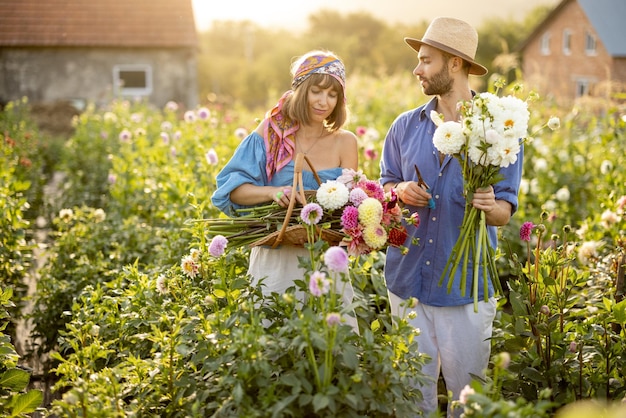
(276, 269)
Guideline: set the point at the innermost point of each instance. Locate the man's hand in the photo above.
(485, 200)
(412, 194)
(498, 212)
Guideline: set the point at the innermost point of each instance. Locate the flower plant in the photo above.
(209, 344)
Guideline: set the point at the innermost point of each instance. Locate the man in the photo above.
(452, 333)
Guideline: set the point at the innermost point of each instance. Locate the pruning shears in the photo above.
(424, 185)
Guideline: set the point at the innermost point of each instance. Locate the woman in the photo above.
(308, 119)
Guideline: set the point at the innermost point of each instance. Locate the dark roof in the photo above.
(607, 18)
(127, 23)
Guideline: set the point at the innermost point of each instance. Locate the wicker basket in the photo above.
(296, 235)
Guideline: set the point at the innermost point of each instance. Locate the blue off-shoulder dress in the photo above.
(247, 165)
(275, 268)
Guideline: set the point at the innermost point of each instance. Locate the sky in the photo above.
(293, 14)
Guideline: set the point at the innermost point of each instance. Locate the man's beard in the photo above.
(440, 83)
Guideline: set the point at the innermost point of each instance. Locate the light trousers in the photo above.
(456, 338)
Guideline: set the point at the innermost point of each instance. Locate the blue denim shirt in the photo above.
(417, 274)
(247, 165)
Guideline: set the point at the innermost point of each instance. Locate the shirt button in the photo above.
(436, 196)
(434, 218)
(428, 263)
(440, 174)
(430, 241)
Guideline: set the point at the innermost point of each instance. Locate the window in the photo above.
(132, 79)
(582, 87)
(567, 42)
(545, 44)
(590, 44)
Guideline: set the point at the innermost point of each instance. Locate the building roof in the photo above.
(104, 23)
(607, 18)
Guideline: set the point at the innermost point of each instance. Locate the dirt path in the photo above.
(24, 342)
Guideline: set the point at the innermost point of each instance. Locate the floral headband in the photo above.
(320, 64)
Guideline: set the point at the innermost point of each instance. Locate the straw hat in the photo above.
(454, 36)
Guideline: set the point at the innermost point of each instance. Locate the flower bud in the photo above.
(545, 310)
(554, 123)
(94, 330)
(573, 347)
(333, 319)
(503, 360)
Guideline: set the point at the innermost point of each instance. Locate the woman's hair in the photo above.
(296, 106)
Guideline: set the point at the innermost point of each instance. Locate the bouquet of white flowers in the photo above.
(488, 137)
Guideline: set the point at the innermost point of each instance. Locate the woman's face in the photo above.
(322, 102)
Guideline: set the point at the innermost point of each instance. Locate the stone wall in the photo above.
(85, 75)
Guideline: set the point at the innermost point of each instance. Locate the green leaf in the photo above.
(184, 349)
(533, 374)
(375, 325)
(238, 393)
(619, 311)
(277, 409)
(4, 350)
(320, 401)
(26, 403)
(14, 379)
(350, 357)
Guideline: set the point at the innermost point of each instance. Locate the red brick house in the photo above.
(93, 51)
(579, 49)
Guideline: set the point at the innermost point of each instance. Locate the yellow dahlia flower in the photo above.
(375, 236)
(370, 212)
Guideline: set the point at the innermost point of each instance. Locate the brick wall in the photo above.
(556, 74)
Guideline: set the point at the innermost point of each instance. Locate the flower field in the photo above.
(137, 312)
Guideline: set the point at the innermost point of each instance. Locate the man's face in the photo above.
(432, 71)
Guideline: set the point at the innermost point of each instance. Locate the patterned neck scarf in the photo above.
(279, 131)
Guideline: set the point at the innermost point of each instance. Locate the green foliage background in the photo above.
(241, 61)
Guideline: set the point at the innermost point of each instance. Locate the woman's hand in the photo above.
(250, 195)
(280, 195)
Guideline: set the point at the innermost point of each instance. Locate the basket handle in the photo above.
(317, 178)
(298, 187)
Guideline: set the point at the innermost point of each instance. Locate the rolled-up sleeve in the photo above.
(508, 188)
(247, 165)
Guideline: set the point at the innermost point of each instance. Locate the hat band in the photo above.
(453, 51)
